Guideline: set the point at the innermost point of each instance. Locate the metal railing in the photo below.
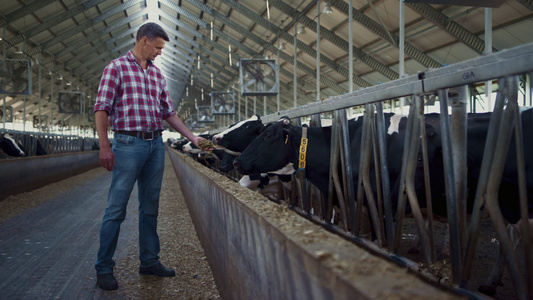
(51, 143)
(505, 67)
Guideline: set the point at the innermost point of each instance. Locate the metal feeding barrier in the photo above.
(505, 122)
(51, 143)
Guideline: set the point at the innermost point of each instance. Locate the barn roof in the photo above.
(69, 42)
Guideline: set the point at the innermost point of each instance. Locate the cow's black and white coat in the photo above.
(10, 147)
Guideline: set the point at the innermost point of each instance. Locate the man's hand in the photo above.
(107, 158)
(203, 144)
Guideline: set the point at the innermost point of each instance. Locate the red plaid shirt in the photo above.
(135, 99)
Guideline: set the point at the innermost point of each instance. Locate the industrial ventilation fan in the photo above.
(15, 77)
(193, 124)
(44, 121)
(70, 102)
(205, 114)
(8, 114)
(258, 77)
(223, 103)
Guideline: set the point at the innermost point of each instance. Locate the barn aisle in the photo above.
(48, 250)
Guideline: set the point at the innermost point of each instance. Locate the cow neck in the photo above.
(302, 155)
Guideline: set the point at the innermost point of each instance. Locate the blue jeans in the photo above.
(144, 162)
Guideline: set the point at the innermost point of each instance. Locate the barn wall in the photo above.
(25, 174)
(258, 249)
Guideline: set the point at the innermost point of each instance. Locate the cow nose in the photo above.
(215, 140)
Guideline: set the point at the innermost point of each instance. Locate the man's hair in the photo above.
(151, 31)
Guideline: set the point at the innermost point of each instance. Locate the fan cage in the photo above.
(228, 97)
(70, 102)
(44, 122)
(245, 91)
(8, 116)
(7, 75)
(205, 114)
(193, 124)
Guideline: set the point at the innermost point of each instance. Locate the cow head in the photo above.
(275, 149)
(239, 135)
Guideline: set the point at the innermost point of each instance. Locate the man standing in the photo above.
(134, 98)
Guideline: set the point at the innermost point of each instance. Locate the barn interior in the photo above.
(229, 60)
(59, 49)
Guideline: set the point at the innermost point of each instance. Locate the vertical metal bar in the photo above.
(356, 222)
(328, 206)
(51, 101)
(401, 195)
(530, 85)
(427, 182)
(382, 150)
(317, 50)
(488, 154)
(40, 92)
(458, 142)
(335, 185)
(496, 171)
(278, 68)
(520, 163)
(5, 85)
(239, 99)
(246, 99)
(378, 175)
(451, 201)
(295, 66)
(368, 123)
(350, 45)
(401, 47)
(488, 49)
(346, 146)
(409, 180)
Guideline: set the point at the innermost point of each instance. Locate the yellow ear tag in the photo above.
(286, 139)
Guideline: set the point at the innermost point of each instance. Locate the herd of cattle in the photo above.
(262, 153)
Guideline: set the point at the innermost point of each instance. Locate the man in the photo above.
(134, 98)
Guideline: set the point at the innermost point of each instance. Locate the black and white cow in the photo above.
(277, 148)
(234, 140)
(239, 135)
(508, 198)
(11, 147)
(33, 146)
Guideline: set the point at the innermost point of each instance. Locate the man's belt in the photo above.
(145, 135)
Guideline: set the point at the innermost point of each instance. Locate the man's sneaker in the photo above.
(158, 270)
(106, 281)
